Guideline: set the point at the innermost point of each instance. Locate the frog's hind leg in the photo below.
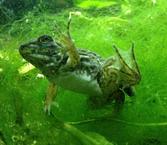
(51, 92)
(119, 97)
(95, 102)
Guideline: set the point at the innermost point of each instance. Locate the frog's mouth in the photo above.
(30, 51)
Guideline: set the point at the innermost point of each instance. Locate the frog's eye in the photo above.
(45, 39)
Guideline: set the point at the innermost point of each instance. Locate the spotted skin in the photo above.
(81, 70)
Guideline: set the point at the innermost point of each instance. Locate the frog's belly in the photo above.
(81, 83)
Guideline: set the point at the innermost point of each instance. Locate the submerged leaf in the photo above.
(86, 138)
(25, 68)
(99, 138)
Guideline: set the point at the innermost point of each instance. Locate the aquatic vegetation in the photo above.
(141, 22)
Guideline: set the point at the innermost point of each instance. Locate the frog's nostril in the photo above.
(22, 47)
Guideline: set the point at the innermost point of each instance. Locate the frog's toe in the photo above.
(47, 109)
(55, 104)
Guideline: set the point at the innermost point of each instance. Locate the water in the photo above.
(99, 25)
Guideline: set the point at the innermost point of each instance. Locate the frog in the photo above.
(80, 70)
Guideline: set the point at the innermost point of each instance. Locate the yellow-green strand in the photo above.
(119, 121)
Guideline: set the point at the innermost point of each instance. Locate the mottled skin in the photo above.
(82, 71)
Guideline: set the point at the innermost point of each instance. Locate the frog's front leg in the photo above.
(51, 92)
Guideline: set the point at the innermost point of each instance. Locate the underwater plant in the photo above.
(142, 119)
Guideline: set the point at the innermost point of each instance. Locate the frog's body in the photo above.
(79, 82)
(81, 70)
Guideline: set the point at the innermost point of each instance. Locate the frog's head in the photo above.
(41, 52)
(129, 72)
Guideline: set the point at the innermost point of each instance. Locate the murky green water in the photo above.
(96, 27)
